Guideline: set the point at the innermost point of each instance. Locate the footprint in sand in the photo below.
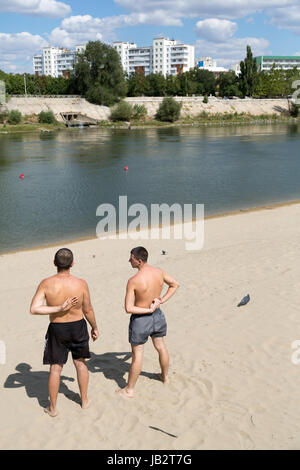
(245, 441)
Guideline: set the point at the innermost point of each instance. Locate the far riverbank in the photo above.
(204, 119)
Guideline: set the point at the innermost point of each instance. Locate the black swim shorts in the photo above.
(64, 337)
(144, 325)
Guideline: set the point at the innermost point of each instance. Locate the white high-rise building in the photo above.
(140, 60)
(165, 56)
(123, 49)
(56, 62)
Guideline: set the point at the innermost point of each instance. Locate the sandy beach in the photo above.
(233, 384)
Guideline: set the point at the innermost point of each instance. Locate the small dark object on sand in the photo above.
(244, 301)
(94, 256)
(163, 252)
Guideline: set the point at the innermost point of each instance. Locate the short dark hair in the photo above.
(63, 259)
(140, 253)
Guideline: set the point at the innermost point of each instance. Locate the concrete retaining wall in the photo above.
(34, 105)
(192, 106)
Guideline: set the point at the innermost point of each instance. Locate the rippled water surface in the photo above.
(68, 174)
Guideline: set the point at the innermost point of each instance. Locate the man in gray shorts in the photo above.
(143, 302)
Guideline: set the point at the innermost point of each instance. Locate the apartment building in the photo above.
(207, 63)
(56, 62)
(123, 50)
(166, 56)
(266, 62)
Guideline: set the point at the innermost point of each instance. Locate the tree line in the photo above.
(99, 77)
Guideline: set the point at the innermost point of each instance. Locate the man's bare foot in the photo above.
(165, 380)
(50, 412)
(123, 392)
(85, 404)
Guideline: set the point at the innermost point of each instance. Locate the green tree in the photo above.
(173, 86)
(275, 83)
(157, 84)
(137, 84)
(188, 85)
(169, 110)
(228, 84)
(206, 81)
(98, 74)
(249, 74)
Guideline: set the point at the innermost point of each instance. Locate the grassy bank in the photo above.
(30, 127)
(203, 119)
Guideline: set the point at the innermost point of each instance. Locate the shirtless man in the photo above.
(143, 301)
(66, 300)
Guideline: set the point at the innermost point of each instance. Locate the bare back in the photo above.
(57, 288)
(148, 284)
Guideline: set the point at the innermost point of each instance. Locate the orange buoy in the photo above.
(21, 176)
(126, 168)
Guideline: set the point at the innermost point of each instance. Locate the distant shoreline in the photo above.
(193, 122)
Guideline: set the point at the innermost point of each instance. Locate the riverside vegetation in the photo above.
(124, 115)
(98, 76)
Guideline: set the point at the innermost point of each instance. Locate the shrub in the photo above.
(14, 116)
(203, 115)
(294, 111)
(169, 110)
(3, 116)
(122, 112)
(47, 117)
(139, 112)
(205, 99)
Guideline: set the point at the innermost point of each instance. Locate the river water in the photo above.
(69, 173)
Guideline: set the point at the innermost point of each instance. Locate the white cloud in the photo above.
(285, 14)
(17, 48)
(50, 8)
(229, 9)
(215, 27)
(287, 18)
(218, 41)
(216, 30)
(231, 51)
(83, 28)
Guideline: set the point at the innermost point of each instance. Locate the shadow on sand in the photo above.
(114, 366)
(36, 384)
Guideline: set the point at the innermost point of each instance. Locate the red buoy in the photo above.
(21, 176)
(126, 168)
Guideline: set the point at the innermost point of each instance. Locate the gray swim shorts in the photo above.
(149, 324)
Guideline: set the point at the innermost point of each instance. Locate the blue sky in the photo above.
(218, 28)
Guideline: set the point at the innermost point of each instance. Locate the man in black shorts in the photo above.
(143, 301)
(67, 303)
